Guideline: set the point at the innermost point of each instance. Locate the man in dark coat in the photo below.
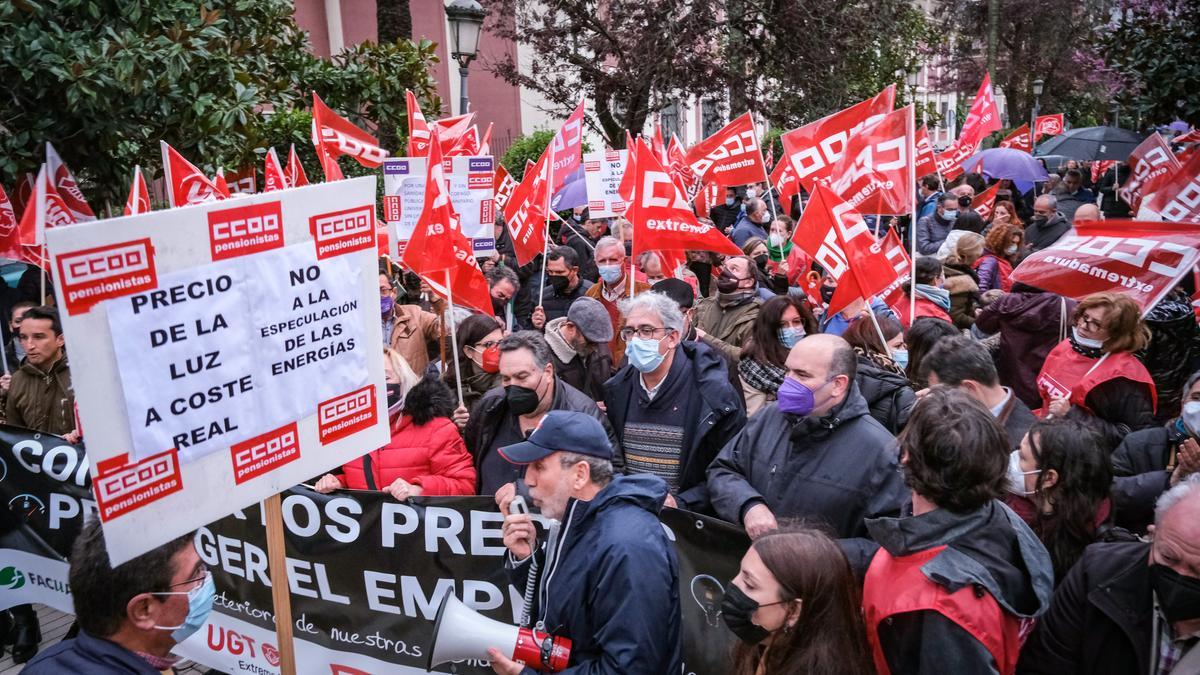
(607, 577)
(725, 215)
(1031, 322)
(510, 413)
(563, 286)
(819, 455)
(672, 413)
(954, 584)
(965, 364)
(1149, 461)
(1128, 608)
(1047, 226)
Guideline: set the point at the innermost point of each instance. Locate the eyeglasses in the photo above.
(482, 346)
(1089, 323)
(196, 584)
(644, 332)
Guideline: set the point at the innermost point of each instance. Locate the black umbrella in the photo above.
(1092, 143)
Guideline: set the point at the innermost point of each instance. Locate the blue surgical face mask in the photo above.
(200, 604)
(790, 336)
(900, 356)
(643, 354)
(729, 201)
(950, 215)
(610, 273)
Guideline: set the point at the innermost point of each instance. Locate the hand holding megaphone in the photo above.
(519, 532)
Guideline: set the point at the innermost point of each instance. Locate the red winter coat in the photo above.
(432, 456)
(925, 307)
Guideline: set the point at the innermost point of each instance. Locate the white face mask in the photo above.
(775, 239)
(1016, 477)
(751, 193)
(1086, 342)
(1191, 417)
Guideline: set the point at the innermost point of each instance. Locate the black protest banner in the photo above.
(366, 572)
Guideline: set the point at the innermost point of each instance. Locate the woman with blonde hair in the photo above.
(961, 281)
(1093, 375)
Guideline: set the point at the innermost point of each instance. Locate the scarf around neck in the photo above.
(938, 296)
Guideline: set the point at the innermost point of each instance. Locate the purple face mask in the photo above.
(386, 304)
(796, 398)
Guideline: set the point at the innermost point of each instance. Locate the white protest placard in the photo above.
(602, 172)
(223, 352)
(470, 179)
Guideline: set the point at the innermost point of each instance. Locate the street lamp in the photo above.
(466, 21)
(1039, 85)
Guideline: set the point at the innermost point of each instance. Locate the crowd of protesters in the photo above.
(1001, 481)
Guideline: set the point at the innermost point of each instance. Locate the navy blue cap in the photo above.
(561, 430)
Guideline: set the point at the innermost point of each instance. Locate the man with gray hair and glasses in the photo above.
(1129, 607)
(672, 405)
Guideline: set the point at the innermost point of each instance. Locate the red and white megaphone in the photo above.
(460, 632)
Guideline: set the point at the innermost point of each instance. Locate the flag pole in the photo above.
(546, 234)
(911, 133)
(453, 337)
(767, 179)
(878, 328)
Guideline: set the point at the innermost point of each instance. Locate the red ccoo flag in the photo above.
(783, 179)
(273, 175)
(10, 236)
(1177, 196)
(985, 201)
(45, 209)
(222, 186)
(418, 128)
(873, 173)
(451, 130)
(1018, 139)
(22, 193)
(485, 145)
(814, 148)
(837, 237)
(66, 186)
(1149, 162)
(295, 170)
(186, 184)
(335, 136)
(731, 156)
(982, 119)
(1140, 260)
(139, 195)
(926, 164)
(567, 147)
(661, 217)
(526, 211)
(439, 252)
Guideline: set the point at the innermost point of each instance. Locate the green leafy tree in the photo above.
(525, 149)
(105, 80)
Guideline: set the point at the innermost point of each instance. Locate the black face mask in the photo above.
(521, 400)
(1179, 596)
(1038, 220)
(727, 283)
(559, 283)
(394, 397)
(827, 293)
(736, 610)
(761, 260)
(964, 201)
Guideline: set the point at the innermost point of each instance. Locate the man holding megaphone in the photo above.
(606, 576)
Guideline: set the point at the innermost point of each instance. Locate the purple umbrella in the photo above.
(1179, 127)
(1006, 163)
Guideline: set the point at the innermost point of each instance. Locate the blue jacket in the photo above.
(716, 410)
(745, 228)
(836, 324)
(612, 585)
(91, 655)
(929, 205)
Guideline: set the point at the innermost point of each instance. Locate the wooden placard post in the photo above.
(281, 595)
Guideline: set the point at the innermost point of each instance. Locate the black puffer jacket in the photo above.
(1173, 352)
(840, 469)
(1142, 466)
(888, 395)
